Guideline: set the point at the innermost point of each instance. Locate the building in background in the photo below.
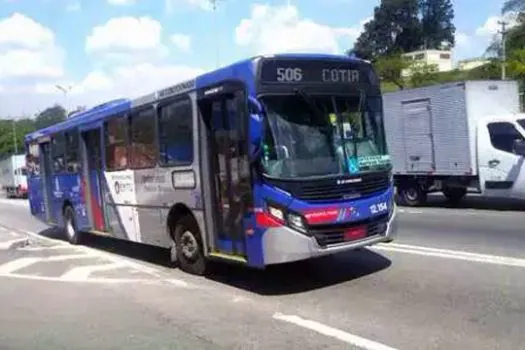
(441, 60)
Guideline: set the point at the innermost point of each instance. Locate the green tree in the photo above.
(423, 74)
(513, 6)
(437, 23)
(12, 132)
(516, 63)
(390, 68)
(49, 116)
(406, 25)
(394, 27)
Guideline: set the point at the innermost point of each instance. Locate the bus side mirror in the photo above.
(256, 127)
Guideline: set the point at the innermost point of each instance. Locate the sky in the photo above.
(97, 50)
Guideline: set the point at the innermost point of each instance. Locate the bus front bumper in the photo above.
(283, 244)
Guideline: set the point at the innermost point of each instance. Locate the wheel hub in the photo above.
(189, 245)
(411, 194)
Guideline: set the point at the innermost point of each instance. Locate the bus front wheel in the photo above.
(189, 253)
(70, 226)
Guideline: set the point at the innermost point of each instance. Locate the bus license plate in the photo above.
(355, 233)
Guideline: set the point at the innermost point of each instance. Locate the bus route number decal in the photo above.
(378, 208)
(289, 74)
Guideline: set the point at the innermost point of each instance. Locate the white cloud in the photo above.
(181, 41)
(475, 43)
(121, 2)
(28, 49)
(492, 27)
(127, 39)
(125, 33)
(280, 29)
(22, 31)
(98, 86)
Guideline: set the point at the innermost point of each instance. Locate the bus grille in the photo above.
(327, 235)
(329, 189)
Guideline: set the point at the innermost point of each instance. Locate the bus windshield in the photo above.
(309, 135)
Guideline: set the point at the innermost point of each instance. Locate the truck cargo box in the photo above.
(13, 175)
(431, 130)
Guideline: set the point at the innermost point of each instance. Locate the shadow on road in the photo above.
(282, 279)
(302, 276)
(476, 202)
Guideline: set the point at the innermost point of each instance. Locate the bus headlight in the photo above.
(276, 213)
(296, 221)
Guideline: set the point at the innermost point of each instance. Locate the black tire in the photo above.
(454, 195)
(189, 248)
(411, 195)
(70, 226)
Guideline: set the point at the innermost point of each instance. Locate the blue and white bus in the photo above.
(269, 160)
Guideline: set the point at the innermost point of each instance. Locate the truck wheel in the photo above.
(70, 226)
(454, 194)
(189, 253)
(411, 195)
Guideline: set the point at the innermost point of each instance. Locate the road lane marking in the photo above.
(115, 258)
(97, 280)
(21, 263)
(39, 249)
(82, 273)
(452, 254)
(458, 211)
(333, 332)
(6, 245)
(17, 264)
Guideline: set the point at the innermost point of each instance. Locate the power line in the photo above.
(503, 33)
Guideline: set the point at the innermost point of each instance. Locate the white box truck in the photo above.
(13, 180)
(456, 137)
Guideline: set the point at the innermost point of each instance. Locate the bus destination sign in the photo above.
(308, 72)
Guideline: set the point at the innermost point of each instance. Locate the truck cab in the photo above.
(501, 156)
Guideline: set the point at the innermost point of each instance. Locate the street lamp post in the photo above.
(65, 90)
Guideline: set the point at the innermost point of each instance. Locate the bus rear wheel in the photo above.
(188, 248)
(70, 226)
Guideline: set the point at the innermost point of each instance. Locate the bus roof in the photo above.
(242, 69)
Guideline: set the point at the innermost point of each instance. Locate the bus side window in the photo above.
(72, 144)
(176, 133)
(116, 144)
(143, 143)
(58, 150)
(33, 159)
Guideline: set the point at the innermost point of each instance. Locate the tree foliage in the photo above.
(389, 68)
(50, 116)
(437, 18)
(513, 6)
(13, 130)
(406, 25)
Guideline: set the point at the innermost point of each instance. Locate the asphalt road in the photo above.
(453, 280)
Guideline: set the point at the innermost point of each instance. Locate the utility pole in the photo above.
(15, 141)
(503, 33)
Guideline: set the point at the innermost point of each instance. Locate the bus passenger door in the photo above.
(225, 116)
(47, 181)
(91, 175)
